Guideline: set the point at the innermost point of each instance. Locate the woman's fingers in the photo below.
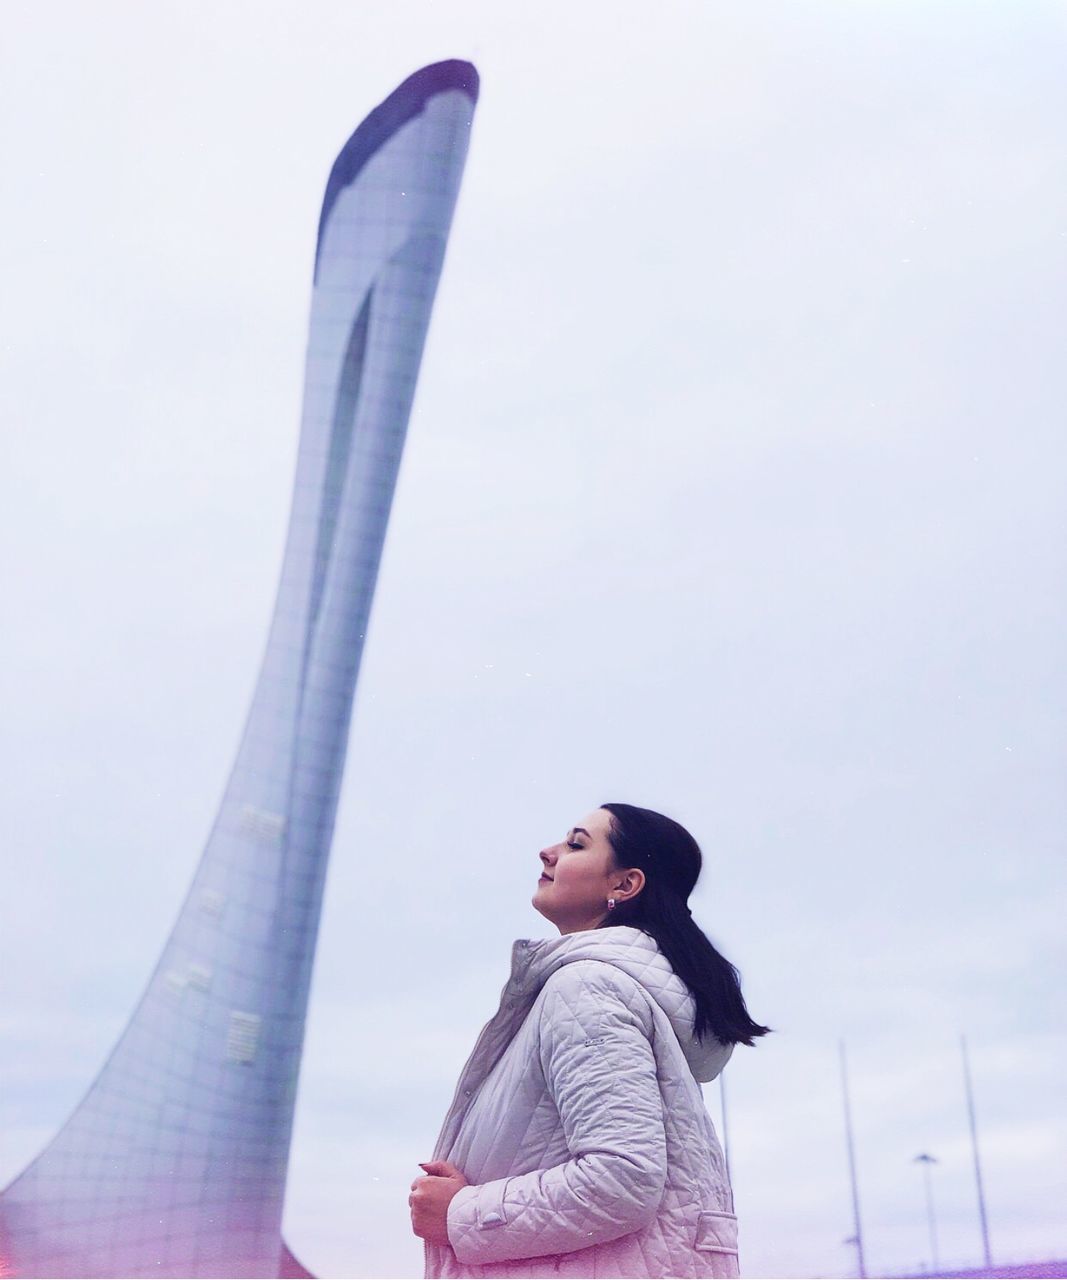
(441, 1169)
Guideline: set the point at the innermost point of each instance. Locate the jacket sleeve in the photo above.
(596, 1054)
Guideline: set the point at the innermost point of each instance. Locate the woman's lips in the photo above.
(545, 879)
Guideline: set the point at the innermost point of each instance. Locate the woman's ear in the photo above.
(631, 883)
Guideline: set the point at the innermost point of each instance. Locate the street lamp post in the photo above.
(974, 1144)
(926, 1161)
(857, 1236)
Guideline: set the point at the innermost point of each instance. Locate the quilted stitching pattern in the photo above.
(580, 1123)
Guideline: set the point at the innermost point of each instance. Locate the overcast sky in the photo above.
(734, 487)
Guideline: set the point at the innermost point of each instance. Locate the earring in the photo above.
(611, 904)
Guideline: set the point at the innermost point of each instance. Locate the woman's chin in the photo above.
(538, 905)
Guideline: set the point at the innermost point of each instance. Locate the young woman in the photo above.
(578, 1143)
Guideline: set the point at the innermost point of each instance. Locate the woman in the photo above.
(578, 1143)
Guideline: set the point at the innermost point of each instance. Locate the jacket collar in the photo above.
(636, 953)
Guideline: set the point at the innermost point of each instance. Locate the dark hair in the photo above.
(671, 861)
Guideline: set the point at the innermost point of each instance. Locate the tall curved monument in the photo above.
(174, 1163)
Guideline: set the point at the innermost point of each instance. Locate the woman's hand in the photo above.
(430, 1198)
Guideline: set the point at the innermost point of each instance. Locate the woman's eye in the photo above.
(573, 844)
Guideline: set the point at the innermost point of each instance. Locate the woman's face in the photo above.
(578, 876)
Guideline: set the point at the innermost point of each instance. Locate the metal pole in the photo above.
(725, 1131)
(858, 1233)
(931, 1220)
(974, 1145)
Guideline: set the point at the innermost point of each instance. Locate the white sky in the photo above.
(734, 487)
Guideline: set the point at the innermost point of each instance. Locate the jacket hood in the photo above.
(637, 954)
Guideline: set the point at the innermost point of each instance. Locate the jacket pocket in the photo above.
(717, 1235)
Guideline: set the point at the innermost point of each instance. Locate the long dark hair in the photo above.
(671, 861)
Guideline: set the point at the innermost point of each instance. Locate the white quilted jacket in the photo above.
(580, 1123)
